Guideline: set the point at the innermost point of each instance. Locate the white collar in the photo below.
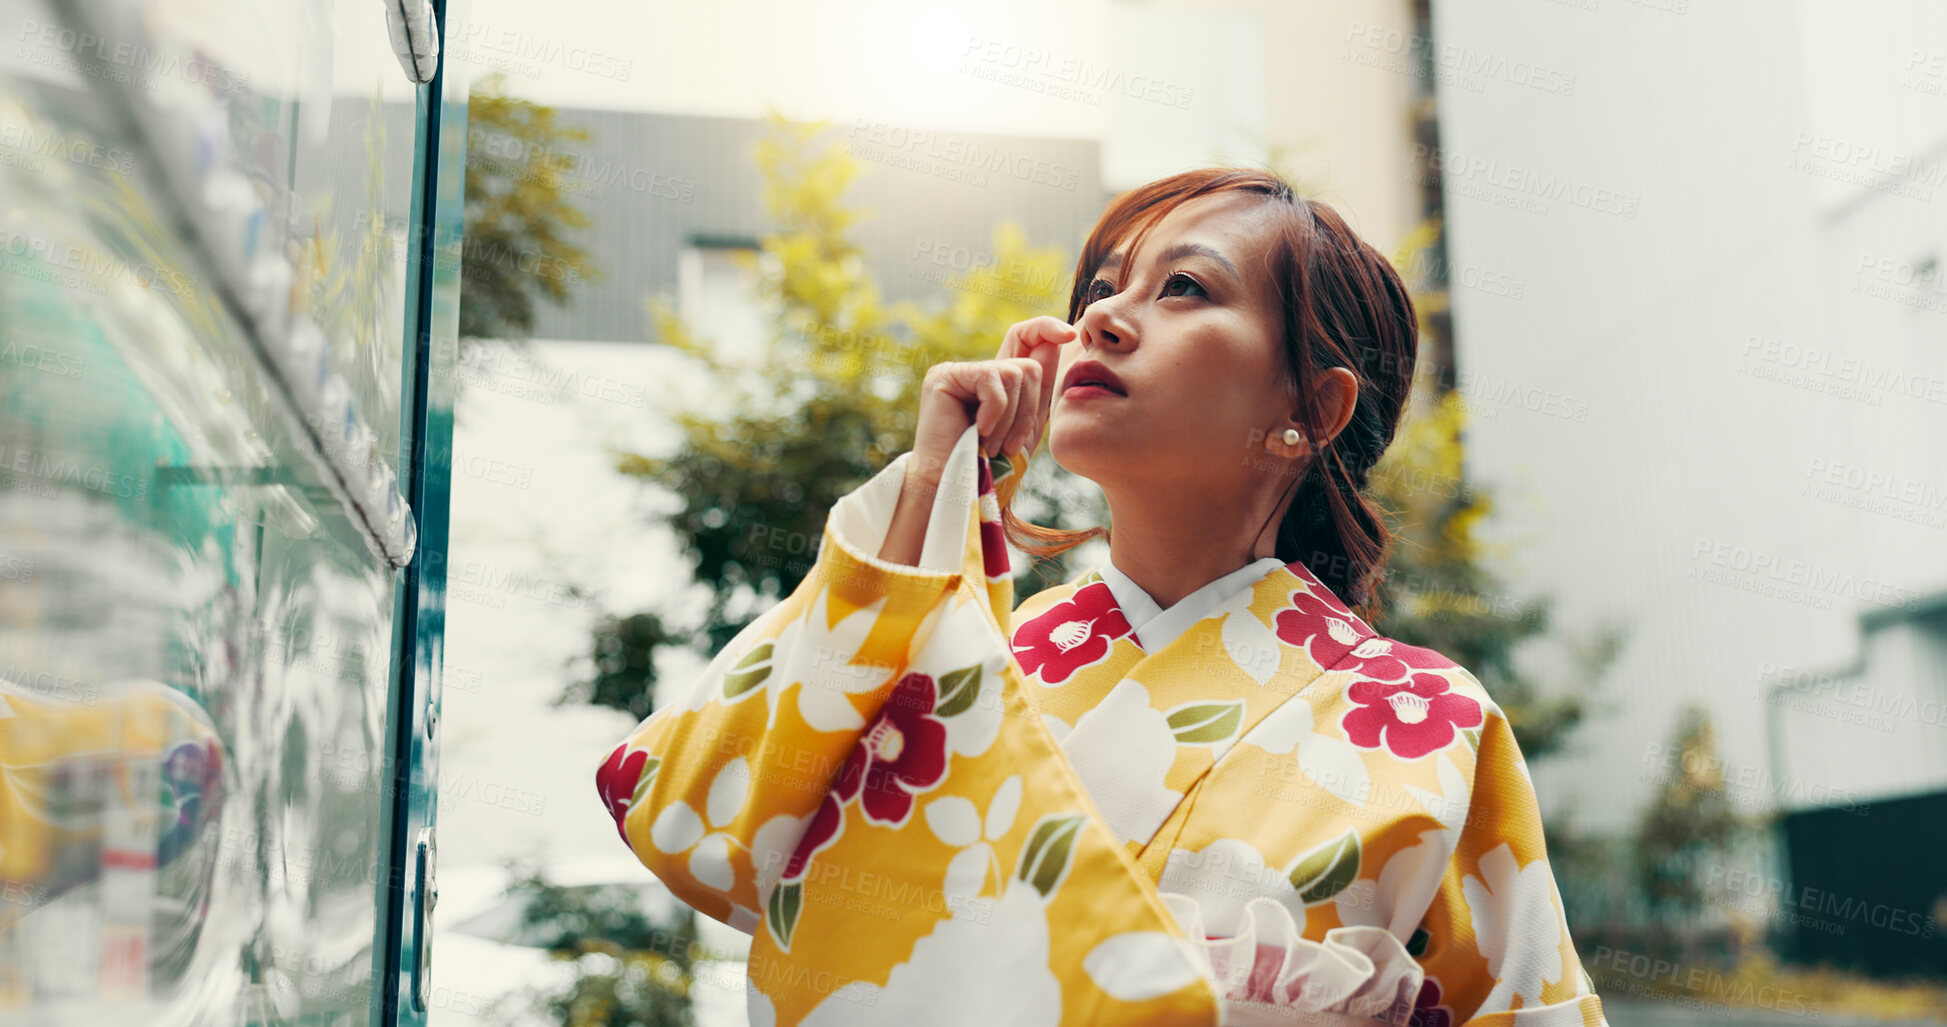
(1156, 627)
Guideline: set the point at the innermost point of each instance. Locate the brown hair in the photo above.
(1344, 306)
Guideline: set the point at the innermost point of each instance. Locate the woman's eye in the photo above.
(1180, 284)
(1097, 289)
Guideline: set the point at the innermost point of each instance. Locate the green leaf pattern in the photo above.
(1328, 869)
(748, 673)
(1044, 860)
(1209, 723)
(958, 691)
(781, 912)
(642, 783)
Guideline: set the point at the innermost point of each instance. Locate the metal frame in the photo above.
(407, 882)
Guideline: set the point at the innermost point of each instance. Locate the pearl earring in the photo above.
(1291, 437)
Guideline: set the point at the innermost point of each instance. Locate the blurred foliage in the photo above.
(632, 971)
(1759, 982)
(1689, 825)
(631, 989)
(622, 654)
(517, 214)
(560, 918)
(1440, 590)
(1840, 993)
(830, 399)
(1594, 872)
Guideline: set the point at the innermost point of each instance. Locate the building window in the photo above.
(716, 290)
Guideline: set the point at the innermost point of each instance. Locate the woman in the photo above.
(1190, 786)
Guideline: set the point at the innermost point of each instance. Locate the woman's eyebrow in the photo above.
(1195, 249)
(1177, 252)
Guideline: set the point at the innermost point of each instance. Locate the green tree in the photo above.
(622, 658)
(518, 214)
(633, 971)
(1441, 589)
(1690, 823)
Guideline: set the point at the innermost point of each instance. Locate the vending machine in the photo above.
(229, 284)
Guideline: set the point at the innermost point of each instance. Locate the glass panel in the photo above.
(195, 637)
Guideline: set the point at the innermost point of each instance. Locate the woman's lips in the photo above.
(1078, 392)
(1090, 378)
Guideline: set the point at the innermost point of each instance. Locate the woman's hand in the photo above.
(1006, 399)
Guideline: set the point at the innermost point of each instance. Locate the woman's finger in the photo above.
(1040, 339)
(992, 397)
(1048, 359)
(1023, 337)
(1023, 435)
(1010, 378)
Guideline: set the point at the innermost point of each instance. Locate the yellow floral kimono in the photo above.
(923, 817)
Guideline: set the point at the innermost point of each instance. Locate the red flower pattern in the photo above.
(1409, 719)
(823, 830)
(1387, 660)
(1427, 1010)
(616, 782)
(1316, 620)
(903, 751)
(1074, 633)
(1309, 615)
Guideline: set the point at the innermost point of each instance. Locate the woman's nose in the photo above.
(1102, 324)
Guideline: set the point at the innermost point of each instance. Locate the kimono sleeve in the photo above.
(860, 781)
(713, 791)
(1498, 950)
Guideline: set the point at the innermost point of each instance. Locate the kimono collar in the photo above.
(1305, 612)
(1154, 627)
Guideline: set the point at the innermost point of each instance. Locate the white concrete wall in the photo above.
(1651, 175)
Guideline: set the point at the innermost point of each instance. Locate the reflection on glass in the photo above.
(195, 637)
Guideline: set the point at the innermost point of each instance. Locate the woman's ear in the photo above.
(1338, 396)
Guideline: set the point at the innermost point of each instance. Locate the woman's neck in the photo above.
(1172, 546)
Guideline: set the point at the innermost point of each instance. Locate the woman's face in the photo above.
(1190, 327)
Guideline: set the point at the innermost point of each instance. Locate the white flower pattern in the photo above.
(958, 823)
(934, 986)
(1122, 750)
(817, 659)
(1517, 924)
(678, 828)
(1329, 761)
